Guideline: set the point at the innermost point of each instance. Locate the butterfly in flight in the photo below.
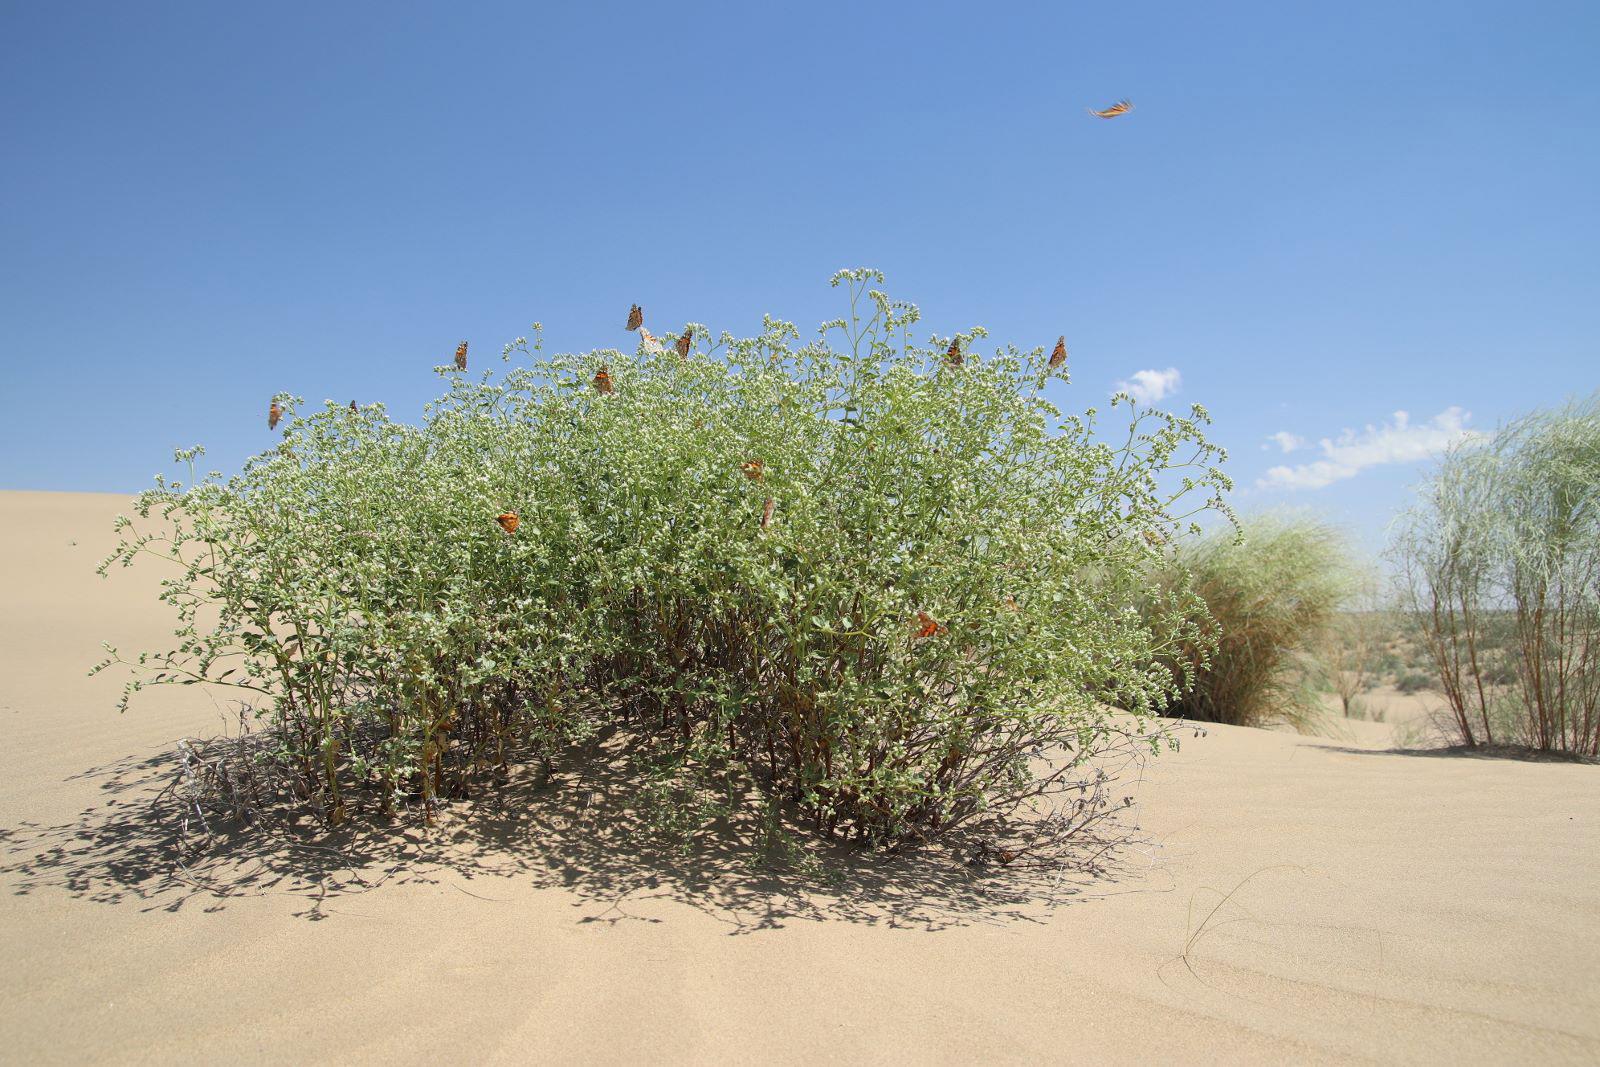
(753, 469)
(508, 521)
(953, 355)
(274, 413)
(1059, 356)
(1121, 107)
(766, 512)
(684, 342)
(461, 356)
(635, 317)
(927, 626)
(602, 379)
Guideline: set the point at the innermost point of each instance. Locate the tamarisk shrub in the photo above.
(845, 575)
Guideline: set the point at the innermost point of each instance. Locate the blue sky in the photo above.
(1317, 217)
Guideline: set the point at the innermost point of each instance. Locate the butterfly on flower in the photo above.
(274, 413)
(602, 379)
(684, 342)
(1121, 107)
(953, 354)
(353, 409)
(635, 317)
(766, 512)
(1059, 356)
(753, 469)
(928, 626)
(461, 356)
(509, 521)
(650, 342)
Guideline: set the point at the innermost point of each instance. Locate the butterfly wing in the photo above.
(1059, 356)
(461, 356)
(635, 317)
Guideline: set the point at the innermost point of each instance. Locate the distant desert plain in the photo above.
(1286, 898)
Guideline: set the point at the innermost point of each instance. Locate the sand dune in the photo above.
(1378, 906)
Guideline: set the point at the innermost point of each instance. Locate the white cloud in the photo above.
(1149, 386)
(1396, 441)
(1287, 442)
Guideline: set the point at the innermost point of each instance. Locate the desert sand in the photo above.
(1379, 905)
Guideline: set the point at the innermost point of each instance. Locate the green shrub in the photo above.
(1501, 558)
(870, 580)
(1273, 592)
(1414, 682)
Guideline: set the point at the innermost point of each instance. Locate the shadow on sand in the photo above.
(1520, 753)
(579, 834)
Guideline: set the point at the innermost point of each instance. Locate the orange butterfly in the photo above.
(684, 342)
(766, 512)
(602, 379)
(274, 413)
(953, 356)
(508, 521)
(753, 469)
(1121, 107)
(1059, 356)
(461, 356)
(635, 317)
(650, 342)
(927, 626)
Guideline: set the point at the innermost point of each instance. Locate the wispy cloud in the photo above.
(1287, 442)
(1149, 386)
(1345, 456)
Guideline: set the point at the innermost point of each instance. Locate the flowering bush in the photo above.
(886, 585)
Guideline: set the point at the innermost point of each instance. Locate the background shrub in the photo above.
(1501, 559)
(1273, 591)
(880, 581)
(1415, 682)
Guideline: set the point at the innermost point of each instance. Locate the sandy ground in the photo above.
(1379, 906)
